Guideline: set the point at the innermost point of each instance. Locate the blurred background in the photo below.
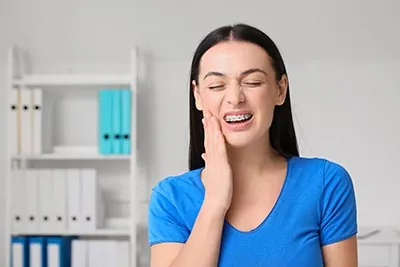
(343, 62)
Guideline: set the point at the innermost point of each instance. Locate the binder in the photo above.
(37, 252)
(59, 251)
(26, 119)
(60, 196)
(32, 200)
(92, 204)
(102, 253)
(19, 251)
(37, 119)
(46, 201)
(122, 253)
(74, 200)
(116, 121)
(80, 253)
(14, 122)
(18, 201)
(105, 117)
(126, 102)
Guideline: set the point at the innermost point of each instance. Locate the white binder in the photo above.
(37, 115)
(19, 251)
(37, 249)
(80, 253)
(74, 200)
(46, 222)
(53, 255)
(26, 119)
(102, 253)
(60, 195)
(18, 201)
(32, 200)
(14, 122)
(17, 254)
(122, 253)
(92, 207)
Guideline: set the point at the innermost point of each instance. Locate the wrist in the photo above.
(214, 208)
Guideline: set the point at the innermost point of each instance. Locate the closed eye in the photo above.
(253, 84)
(215, 87)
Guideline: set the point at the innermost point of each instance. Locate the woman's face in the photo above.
(238, 85)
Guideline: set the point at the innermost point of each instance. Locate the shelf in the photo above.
(73, 79)
(97, 233)
(71, 156)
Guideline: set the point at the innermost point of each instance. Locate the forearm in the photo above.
(203, 245)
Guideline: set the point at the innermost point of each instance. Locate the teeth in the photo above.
(231, 118)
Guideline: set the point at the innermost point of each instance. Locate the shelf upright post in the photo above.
(133, 157)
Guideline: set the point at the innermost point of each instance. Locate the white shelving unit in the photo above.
(81, 155)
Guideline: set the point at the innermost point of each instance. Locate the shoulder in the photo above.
(327, 171)
(171, 207)
(174, 188)
(337, 208)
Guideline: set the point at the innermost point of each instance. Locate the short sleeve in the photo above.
(163, 222)
(338, 205)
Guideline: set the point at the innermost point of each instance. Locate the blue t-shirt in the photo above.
(316, 207)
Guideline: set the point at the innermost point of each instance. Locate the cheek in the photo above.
(211, 101)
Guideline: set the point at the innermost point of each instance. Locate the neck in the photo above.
(253, 161)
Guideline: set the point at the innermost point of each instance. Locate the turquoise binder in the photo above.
(126, 103)
(116, 121)
(41, 241)
(64, 249)
(105, 119)
(23, 241)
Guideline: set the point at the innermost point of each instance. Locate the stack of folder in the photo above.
(56, 201)
(115, 121)
(68, 252)
(28, 115)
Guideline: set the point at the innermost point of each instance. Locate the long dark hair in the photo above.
(282, 133)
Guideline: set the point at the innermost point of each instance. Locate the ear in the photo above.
(282, 90)
(197, 96)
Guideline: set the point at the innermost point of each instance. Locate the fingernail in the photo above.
(202, 120)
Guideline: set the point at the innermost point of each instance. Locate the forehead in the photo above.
(233, 57)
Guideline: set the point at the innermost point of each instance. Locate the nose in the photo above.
(234, 95)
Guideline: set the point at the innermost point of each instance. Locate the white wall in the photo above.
(342, 57)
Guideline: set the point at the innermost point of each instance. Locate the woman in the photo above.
(249, 199)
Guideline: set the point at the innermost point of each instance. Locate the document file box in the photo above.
(92, 204)
(18, 201)
(37, 252)
(80, 253)
(32, 200)
(122, 253)
(25, 126)
(46, 201)
(116, 121)
(36, 120)
(126, 102)
(14, 122)
(19, 252)
(102, 253)
(74, 200)
(59, 252)
(60, 197)
(105, 119)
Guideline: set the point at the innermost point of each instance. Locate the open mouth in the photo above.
(238, 118)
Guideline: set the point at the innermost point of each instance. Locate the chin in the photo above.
(238, 140)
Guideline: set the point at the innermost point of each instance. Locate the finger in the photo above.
(205, 122)
(212, 139)
(206, 129)
(204, 157)
(219, 139)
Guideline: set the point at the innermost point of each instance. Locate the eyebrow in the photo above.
(243, 73)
